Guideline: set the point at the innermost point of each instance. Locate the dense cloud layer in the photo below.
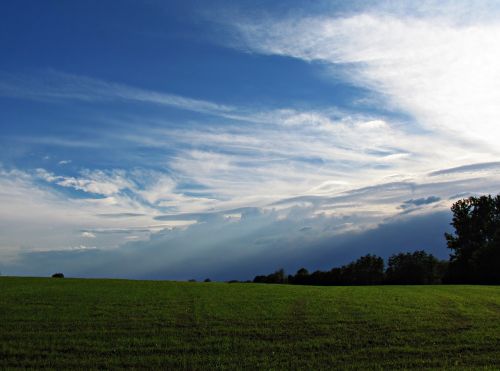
(241, 249)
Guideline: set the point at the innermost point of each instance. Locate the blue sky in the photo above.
(180, 139)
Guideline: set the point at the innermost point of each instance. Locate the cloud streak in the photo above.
(54, 86)
(437, 66)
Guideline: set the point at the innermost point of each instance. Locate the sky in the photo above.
(188, 139)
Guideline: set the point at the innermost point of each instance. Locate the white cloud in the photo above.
(96, 181)
(431, 64)
(83, 247)
(283, 153)
(36, 217)
(88, 234)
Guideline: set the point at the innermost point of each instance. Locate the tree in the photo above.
(300, 278)
(476, 241)
(302, 272)
(367, 270)
(276, 277)
(58, 275)
(260, 279)
(417, 268)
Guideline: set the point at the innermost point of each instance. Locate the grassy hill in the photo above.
(102, 324)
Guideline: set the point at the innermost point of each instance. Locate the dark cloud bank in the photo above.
(258, 243)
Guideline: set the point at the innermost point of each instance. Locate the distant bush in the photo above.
(58, 275)
(192, 280)
(207, 280)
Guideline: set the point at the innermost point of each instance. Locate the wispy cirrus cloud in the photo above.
(96, 182)
(54, 85)
(428, 60)
(486, 167)
(326, 161)
(38, 216)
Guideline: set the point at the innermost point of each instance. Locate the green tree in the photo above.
(300, 278)
(417, 268)
(476, 241)
(367, 270)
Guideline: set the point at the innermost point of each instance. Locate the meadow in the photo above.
(112, 324)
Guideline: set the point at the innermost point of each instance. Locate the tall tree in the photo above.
(476, 241)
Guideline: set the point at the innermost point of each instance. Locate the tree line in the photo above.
(475, 256)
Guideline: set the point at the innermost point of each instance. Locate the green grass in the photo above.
(110, 324)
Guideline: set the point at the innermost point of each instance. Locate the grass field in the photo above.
(103, 324)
